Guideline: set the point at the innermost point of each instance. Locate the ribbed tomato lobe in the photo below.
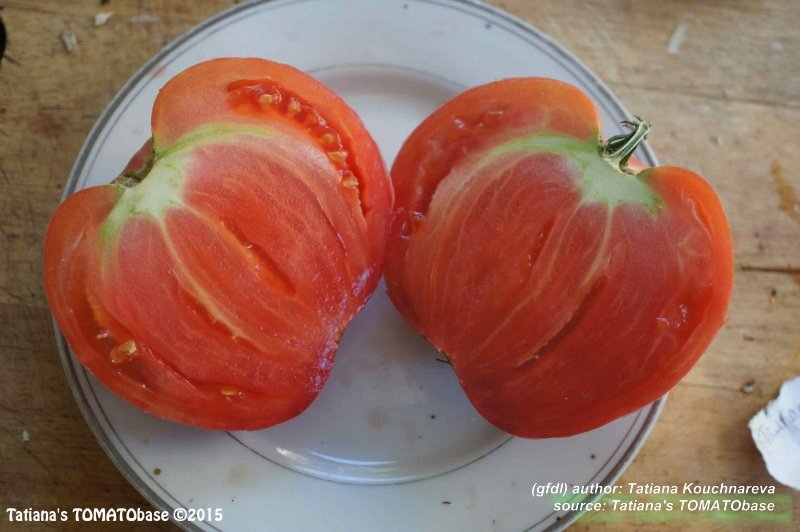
(211, 283)
(566, 292)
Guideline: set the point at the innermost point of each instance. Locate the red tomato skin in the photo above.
(214, 292)
(560, 311)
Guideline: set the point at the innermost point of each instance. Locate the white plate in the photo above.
(391, 443)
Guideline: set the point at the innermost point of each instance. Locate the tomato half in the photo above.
(211, 282)
(566, 288)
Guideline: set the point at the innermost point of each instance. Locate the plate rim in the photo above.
(68, 362)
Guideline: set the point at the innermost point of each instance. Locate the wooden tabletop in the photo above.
(719, 80)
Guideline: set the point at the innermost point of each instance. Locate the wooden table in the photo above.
(726, 104)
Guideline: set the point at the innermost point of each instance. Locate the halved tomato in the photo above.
(566, 288)
(211, 282)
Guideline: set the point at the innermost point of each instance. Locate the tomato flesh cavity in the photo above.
(211, 282)
(566, 292)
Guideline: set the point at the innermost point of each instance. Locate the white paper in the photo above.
(776, 431)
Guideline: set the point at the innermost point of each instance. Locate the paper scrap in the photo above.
(69, 39)
(674, 44)
(776, 432)
(26, 436)
(102, 18)
(144, 18)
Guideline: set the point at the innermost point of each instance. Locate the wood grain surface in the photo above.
(725, 103)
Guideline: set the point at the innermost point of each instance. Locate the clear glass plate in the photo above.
(391, 443)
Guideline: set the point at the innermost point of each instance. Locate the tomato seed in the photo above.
(338, 156)
(265, 100)
(123, 352)
(128, 348)
(350, 181)
(293, 108)
(313, 118)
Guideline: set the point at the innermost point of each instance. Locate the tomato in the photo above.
(211, 282)
(566, 288)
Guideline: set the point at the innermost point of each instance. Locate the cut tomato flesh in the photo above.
(211, 283)
(565, 292)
